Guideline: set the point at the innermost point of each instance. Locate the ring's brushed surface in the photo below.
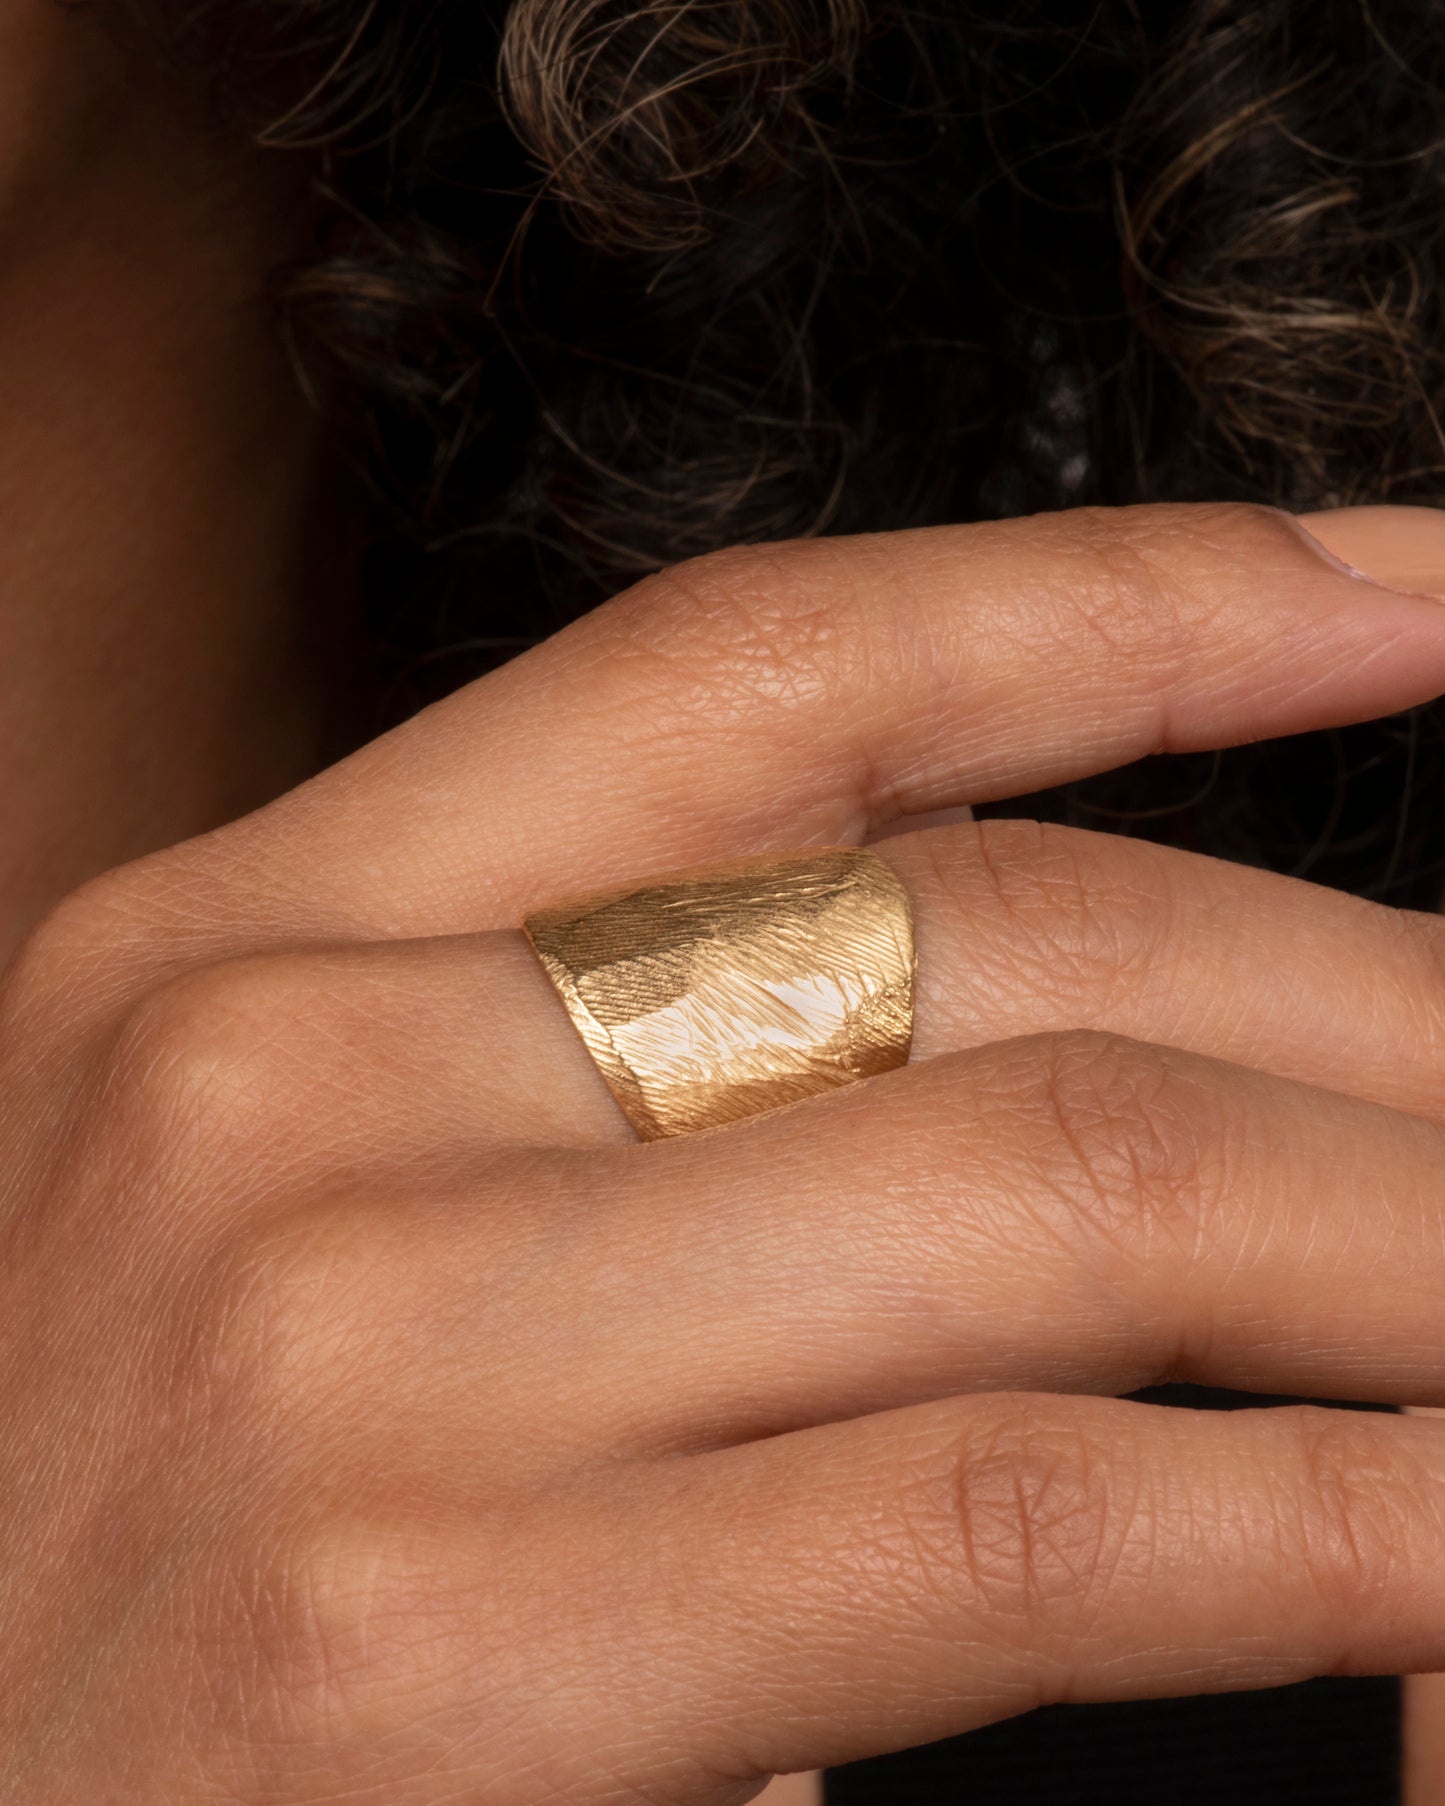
(709, 994)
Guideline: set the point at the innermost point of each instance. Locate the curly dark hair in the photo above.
(596, 285)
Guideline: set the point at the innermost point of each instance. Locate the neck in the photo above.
(166, 581)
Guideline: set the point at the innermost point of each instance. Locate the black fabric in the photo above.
(1327, 1742)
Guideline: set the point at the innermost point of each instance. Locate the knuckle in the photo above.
(1122, 599)
(78, 936)
(343, 1332)
(193, 1064)
(1130, 1143)
(754, 623)
(1075, 919)
(1040, 1521)
(1129, 595)
(280, 1327)
(358, 1634)
(1361, 1508)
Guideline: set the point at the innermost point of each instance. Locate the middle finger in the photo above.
(807, 694)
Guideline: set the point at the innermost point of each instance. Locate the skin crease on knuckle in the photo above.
(796, 626)
(243, 1554)
(1075, 927)
(1048, 1521)
(715, 636)
(1128, 1142)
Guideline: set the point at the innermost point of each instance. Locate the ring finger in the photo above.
(433, 1050)
(1060, 1211)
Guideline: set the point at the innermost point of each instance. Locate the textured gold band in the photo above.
(710, 994)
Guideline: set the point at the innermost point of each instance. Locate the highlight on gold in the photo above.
(713, 993)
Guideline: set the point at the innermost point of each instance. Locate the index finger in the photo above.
(802, 693)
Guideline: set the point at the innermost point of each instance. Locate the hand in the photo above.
(379, 1422)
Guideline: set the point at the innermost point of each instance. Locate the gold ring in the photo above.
(709, 994)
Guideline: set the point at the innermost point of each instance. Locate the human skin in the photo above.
(155, 687)
(174, 573)
(371, 1389)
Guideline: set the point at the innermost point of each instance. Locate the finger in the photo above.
(804, 693)
(1024, 927)
(393, 1063)
(1071, 1213)
(1096, 1549)
(862, 1587)
(437, 1050)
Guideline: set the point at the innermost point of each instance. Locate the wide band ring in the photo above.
(710, 994)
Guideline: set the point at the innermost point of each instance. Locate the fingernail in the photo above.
(1398, 548)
